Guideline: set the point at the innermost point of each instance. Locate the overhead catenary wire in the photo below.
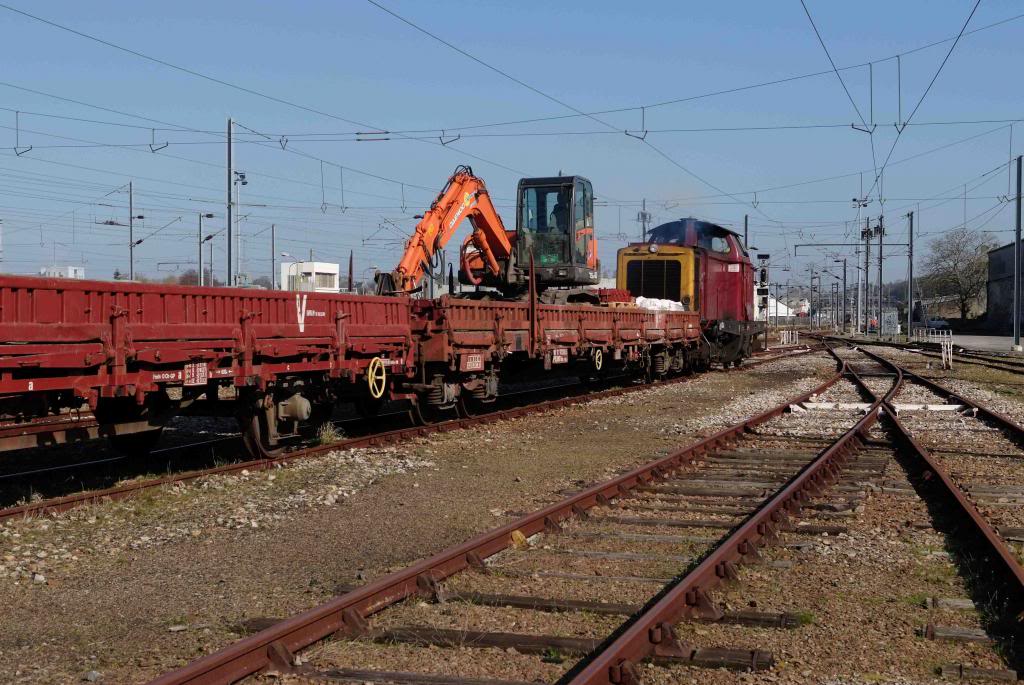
(298, 207)
(228, 84)
(559, 102)
(869, 129)
(726, 91)
(900, 129)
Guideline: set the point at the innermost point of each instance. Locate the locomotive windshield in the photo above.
(672, 233)
(693, 233)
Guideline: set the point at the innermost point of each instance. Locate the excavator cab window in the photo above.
(555, 224)
(583, 216)
(545, 213)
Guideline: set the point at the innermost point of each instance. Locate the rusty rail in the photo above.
(347, 614)
(928, 350)
(67, 502)
(934, 476)
(651, 632)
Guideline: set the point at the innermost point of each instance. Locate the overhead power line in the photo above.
(866, 128)
(902, 127)
(832, 62)
(229, 84)
(558, 101)
(726, 91)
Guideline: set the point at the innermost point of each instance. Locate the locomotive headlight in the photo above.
(653, 248)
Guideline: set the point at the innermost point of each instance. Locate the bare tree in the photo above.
(263, 282)
(189, 277)
(957, 264)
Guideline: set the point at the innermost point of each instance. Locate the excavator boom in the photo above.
(463, 197)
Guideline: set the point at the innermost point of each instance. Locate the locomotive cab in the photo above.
(705, 267)
(555, 220)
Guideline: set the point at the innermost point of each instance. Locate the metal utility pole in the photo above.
(881, 232)
(350, 281)
(817, 297)
(860, 300)
(776, 304)
(273, 256)
(1017, 264)
(200, 248)
(866, 233)
(231, 268)
(746, 236)
(910, 275)
(789, 305)
(643, 217)
(835, 315)
(845, 298)
(131, 234)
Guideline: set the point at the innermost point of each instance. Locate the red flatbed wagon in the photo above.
(87, 359)
(466, 346)
(135, 354)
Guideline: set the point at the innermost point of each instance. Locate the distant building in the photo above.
(320, 277)
(54, 271)
(999, 316)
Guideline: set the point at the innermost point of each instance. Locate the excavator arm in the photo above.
(464, 196)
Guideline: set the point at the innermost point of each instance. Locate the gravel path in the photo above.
(130, 589)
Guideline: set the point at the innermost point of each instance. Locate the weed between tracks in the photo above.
(328, 434)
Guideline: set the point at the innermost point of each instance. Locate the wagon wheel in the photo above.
(422, 413)
(469, 406)
(376, 378)
(256, 434)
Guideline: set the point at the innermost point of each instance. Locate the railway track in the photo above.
(721, 500)
(538, 588)
(216, 448)
(964, 459)
(991, 361)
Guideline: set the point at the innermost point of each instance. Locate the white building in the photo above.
(321, 277)
(54, 271)
(774, 308)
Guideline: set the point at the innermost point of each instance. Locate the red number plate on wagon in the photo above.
(196, 373)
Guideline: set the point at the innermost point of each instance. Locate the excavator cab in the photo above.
(555, 221)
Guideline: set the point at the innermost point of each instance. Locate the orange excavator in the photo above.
(554, 224)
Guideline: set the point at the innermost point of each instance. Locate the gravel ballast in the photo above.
(131, 589)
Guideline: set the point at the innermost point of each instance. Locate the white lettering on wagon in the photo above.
(166, 376)
(301, 312)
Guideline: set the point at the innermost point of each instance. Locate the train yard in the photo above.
(383, 343)
(539, 483)
(775, 525)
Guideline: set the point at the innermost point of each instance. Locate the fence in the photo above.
(789, 337)
(931, 335)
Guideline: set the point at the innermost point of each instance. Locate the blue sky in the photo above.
(354, 62)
